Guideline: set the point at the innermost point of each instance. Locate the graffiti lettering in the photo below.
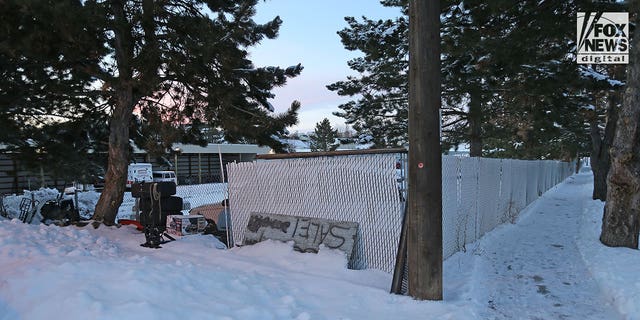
(257, 222)
(302, 224)
(307, 233)
(337, 236)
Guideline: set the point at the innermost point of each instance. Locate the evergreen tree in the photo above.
(51, 118)
(68, 151)
(380, 110)
(510, 85)
(169, 60)
(324, 137)
(605, 97)
(621, 219)
(536, 110)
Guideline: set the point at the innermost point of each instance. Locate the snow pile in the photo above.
(617, 270)
(12, 203)
(529, 270)
(104, 274)
(194, 195)
(86, 202)
(297, 145)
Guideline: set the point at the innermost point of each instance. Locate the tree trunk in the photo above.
(620, 225)
(116, 177)
(597, 161)
(600, 159)
(475, 125)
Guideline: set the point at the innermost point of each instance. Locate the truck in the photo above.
(139, 172)
(162, 176)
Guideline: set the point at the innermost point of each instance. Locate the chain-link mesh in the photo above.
(468, 201)
(478, 195)
(505, 204)
(533, 191)
(192, 195)
(451, 195)
(488, 193)
(357, 188)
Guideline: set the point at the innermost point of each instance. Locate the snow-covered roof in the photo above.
(215, 148)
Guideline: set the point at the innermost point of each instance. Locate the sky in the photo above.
(309, 36)
(549, 264)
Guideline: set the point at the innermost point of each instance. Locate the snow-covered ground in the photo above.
(549, 265)
(194, 195)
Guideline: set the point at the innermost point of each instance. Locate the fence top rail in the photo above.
(328, 153)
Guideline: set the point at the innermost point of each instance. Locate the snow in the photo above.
(268, 106)
(194, 195)
(588, 72)
(541, 269)
(615, 269)
(548, 265)
(297, 145)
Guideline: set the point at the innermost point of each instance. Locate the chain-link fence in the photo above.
(490, 192)
(478, 195)
(357, 188)
(193, 196)
(370, 189)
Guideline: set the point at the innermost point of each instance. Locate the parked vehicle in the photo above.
(139, 172)
(162, 176)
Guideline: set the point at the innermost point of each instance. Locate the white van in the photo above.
(161, 176)
(139, 172)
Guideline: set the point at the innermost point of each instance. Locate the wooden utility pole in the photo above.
(424, 242)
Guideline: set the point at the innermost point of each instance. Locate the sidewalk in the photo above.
(534, 269)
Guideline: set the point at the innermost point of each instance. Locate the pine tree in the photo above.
(324, 137)
(621, 220)
(601, 115)
(380, 109)
(49, 114)
(536, 114)
(510, 85)
(511, 62)
(168, 60)
(68, 151)
(602, 89)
